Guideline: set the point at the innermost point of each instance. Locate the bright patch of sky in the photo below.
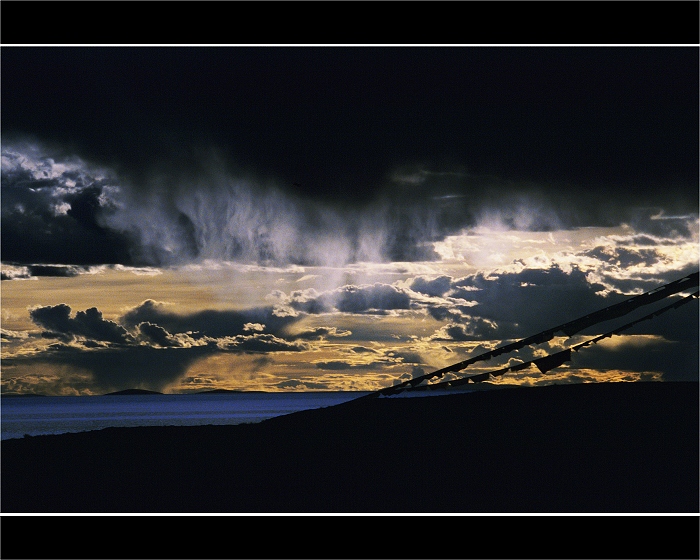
(242, 286)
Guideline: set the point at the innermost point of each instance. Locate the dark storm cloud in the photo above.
(377, 152)
(351, 125)
(321, 333)
(89, 324)
(647, 278)
(371, 299)
(53, 212)
(113, 369)
(10, 272)
(431, 286)
(260, 343)
(210, 323)
(454, 309)
(377, 298)
(230, 331)
(151, 356)
(59, 271)
(665, 226)
(494, 305)
(78, 216)
(65, 211)
(658, 338)
(157, 335)
(363, 350)
(307, 301)
(524, 303)
(625, 257)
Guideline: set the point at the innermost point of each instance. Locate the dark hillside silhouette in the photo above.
(586, 448)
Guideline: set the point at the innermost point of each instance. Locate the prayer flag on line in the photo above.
(553, 361)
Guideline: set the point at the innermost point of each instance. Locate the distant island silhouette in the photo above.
(227, 391)
(134, 392)
(207, 392)
(147, 392)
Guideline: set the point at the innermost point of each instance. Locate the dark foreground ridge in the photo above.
(600, 448)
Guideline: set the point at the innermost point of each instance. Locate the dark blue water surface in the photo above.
(55, 415)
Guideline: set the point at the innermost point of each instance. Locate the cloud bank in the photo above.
(70, 213)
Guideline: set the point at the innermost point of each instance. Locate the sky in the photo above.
(288, 218)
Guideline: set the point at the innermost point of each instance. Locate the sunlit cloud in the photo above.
(405, 283)
(533, 378)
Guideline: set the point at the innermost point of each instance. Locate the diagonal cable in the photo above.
(552, 361)
(570, 328)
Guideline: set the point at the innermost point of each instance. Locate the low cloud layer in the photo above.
(151, 346)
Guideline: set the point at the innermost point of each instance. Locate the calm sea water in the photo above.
(55, 415)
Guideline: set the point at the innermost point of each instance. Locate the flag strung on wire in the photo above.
(555, 360)
(569, 329)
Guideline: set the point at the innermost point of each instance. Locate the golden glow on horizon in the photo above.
(532, 377)
(365, 351)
